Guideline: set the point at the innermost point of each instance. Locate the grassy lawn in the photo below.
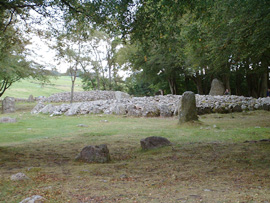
(24, 88)
(209, 161)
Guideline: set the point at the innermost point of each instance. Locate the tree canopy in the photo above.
(177, 45)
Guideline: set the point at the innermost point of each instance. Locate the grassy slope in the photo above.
(24, 88)
(209, 161)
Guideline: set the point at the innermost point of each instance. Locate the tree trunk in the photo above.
(110, 77)
(238, 80)
(226, 81)
(173, 86)
(72, 89)
(198, 81)
(98, 80)
(252, 82)
(264, 82)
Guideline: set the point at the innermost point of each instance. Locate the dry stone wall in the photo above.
(164, 106)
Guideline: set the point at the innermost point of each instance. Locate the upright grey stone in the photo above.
(31, 98)
(8, 105)
(187, 108)
(217, 88)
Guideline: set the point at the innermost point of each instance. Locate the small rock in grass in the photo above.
(82, 125)
(123, 176)
(18, 177)
(34, 199)
(104, 121)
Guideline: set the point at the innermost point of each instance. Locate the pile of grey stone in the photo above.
(120, 103)
(86, 96)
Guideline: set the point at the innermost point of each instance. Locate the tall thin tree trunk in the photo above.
(198, 81)
(264, 82)
(173, 86)
(110, 77)
(98, 80)
(72, 90)
(226, 81)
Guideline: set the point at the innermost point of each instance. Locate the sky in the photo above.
(44, 55)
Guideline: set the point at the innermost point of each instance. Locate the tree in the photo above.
(69, 50)
(13, 63)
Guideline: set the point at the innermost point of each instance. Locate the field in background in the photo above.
(209, 161)
(24, 88)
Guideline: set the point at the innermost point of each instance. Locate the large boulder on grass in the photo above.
(154, 142)
(94, 154)
(187, 110)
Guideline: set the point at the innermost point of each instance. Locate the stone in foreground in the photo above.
(34, 199)
(8, 120)
(154, 142)
(94, 154)
(187, 108)
(19, 177)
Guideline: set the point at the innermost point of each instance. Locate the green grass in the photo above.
(208, 161)
(24, 88)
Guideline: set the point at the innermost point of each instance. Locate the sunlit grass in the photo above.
(24, 88)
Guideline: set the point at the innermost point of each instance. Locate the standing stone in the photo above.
(94, 154)
(31, 98)
(217, 88)
(8, 105)
(187, 108)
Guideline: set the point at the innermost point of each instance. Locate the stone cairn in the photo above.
(187, 108)
(94, 102)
